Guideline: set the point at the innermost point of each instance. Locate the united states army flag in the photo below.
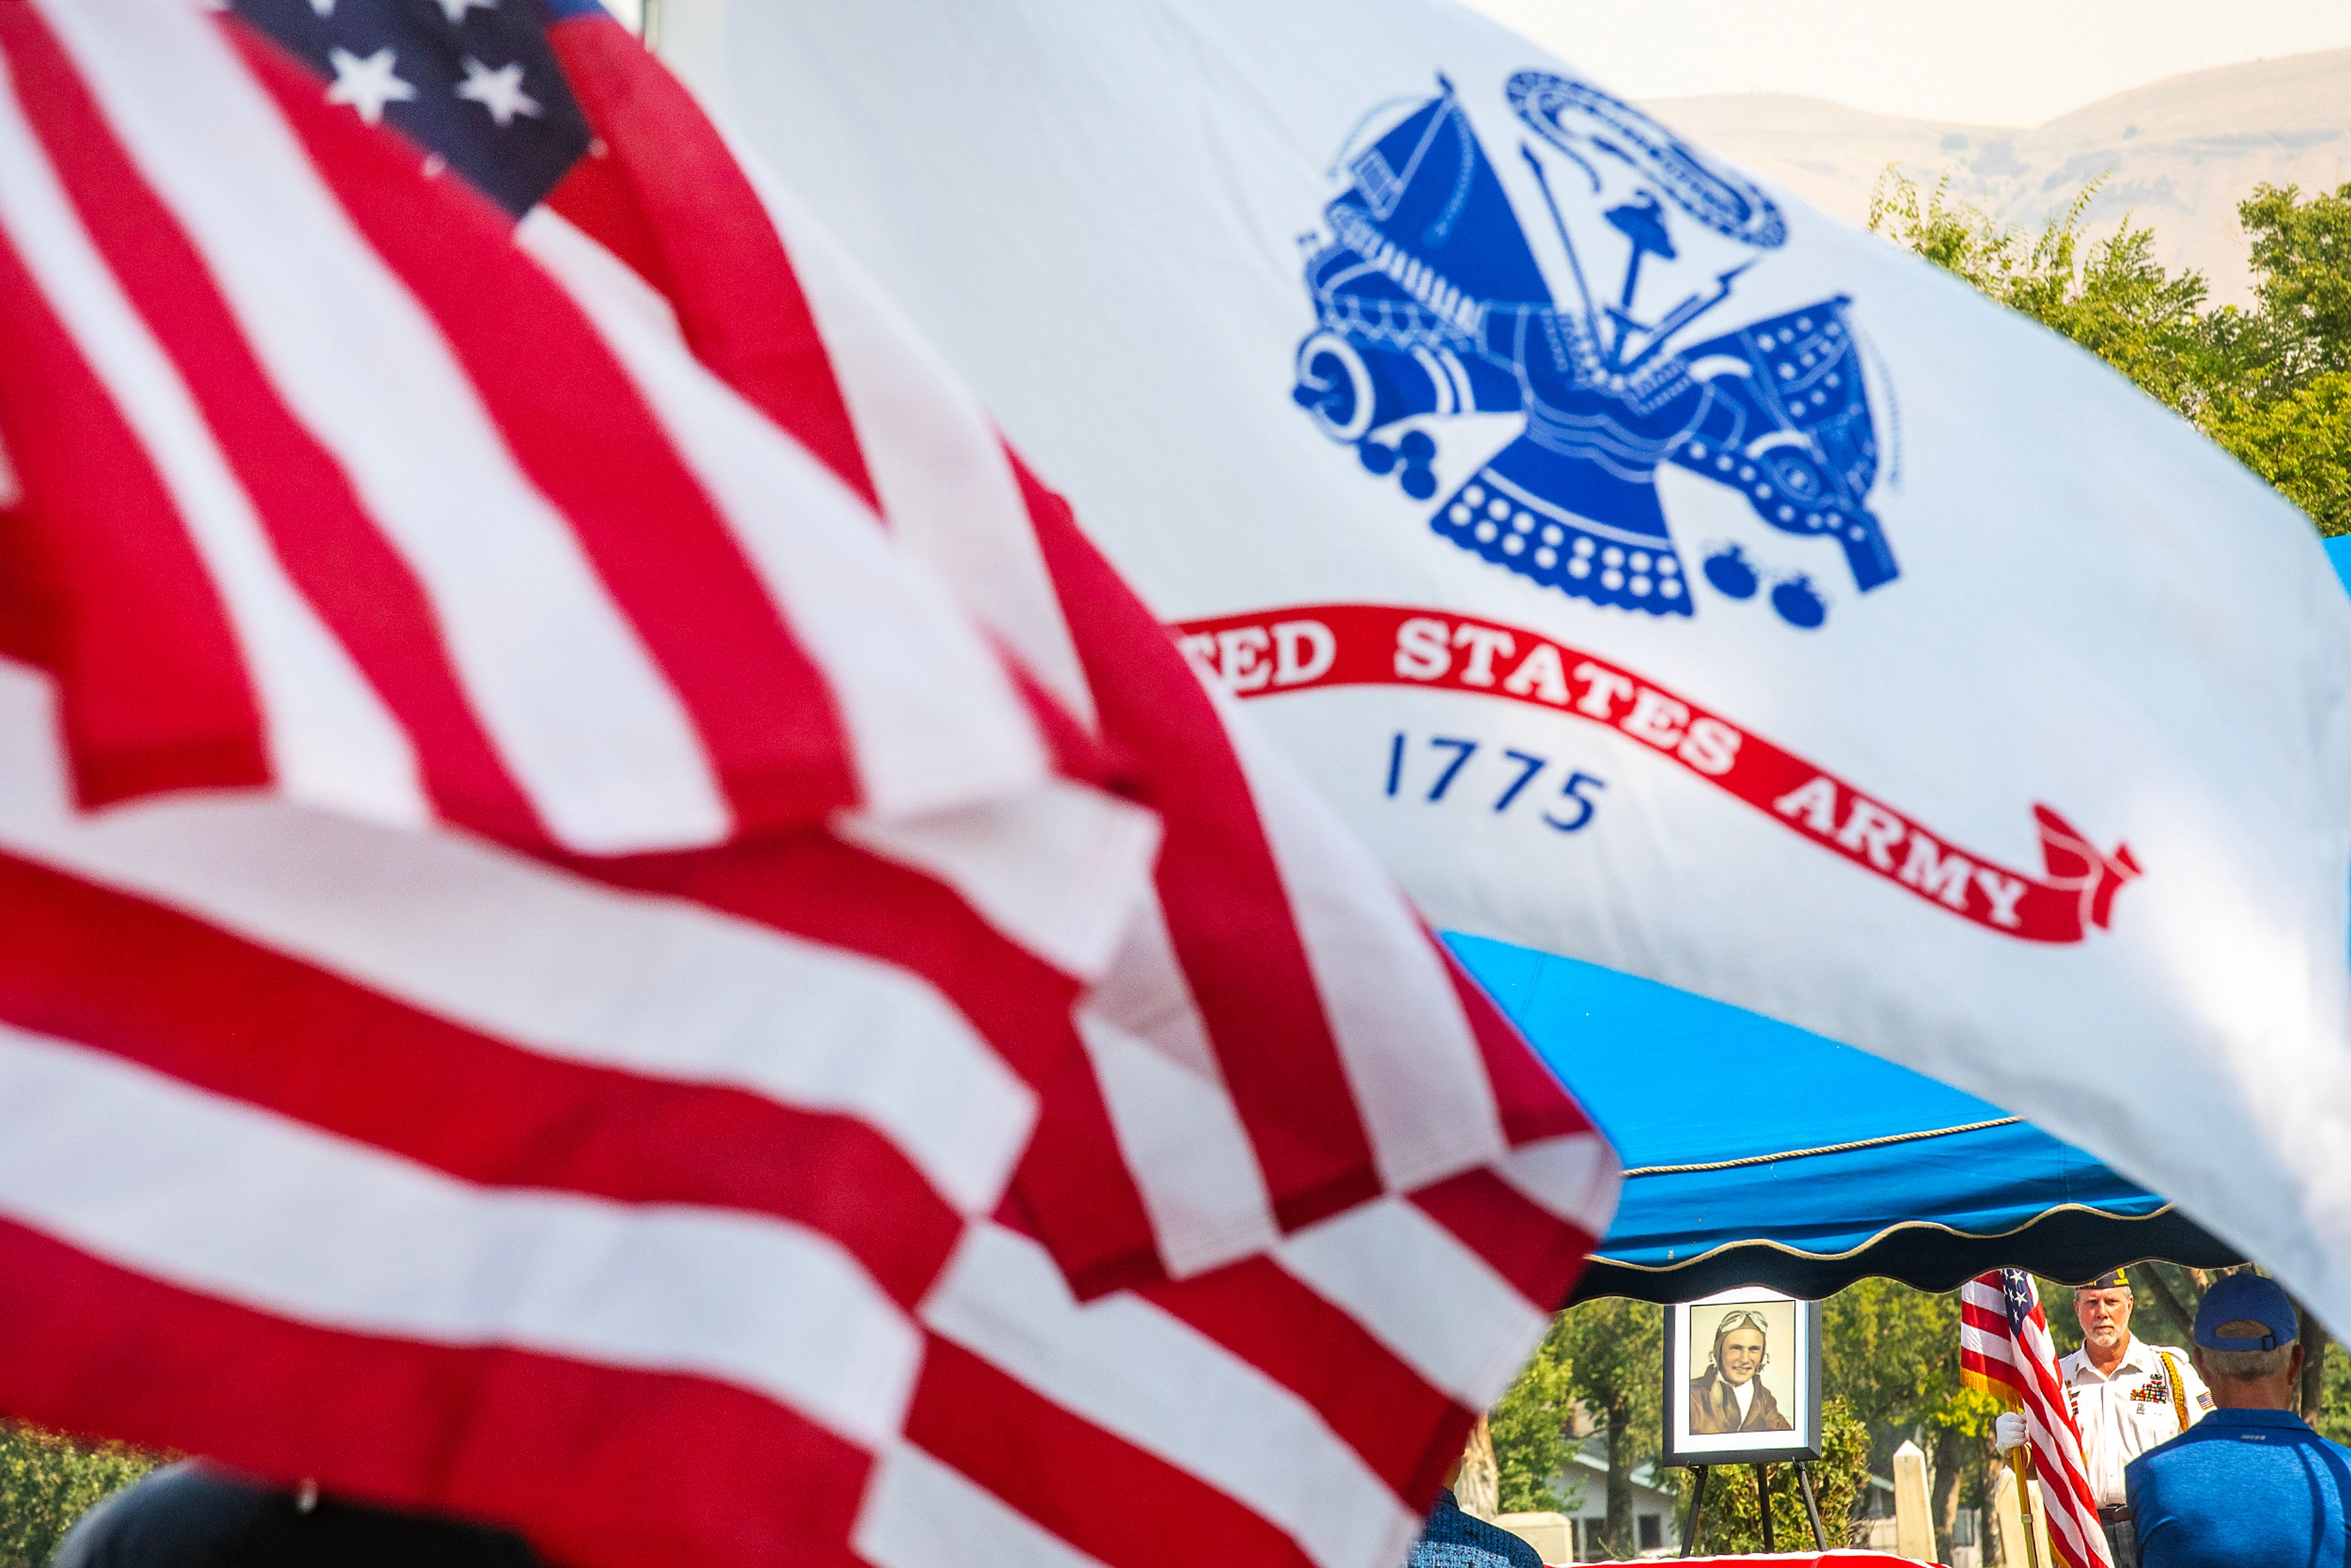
(1654, 570)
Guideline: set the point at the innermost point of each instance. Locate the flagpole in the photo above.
(2021, 1463)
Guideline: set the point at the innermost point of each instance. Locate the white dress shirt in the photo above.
(2124, 1414)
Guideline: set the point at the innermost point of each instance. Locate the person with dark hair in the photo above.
(1730, 1396)
(192, 1515)
(2252, 1486)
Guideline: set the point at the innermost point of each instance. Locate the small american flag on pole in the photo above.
(2006, 1352)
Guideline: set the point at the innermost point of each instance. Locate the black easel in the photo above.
(1811, 1505)
(1698, 1503)
(1762, 1506)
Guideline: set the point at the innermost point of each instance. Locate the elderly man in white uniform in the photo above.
(2127, 1397)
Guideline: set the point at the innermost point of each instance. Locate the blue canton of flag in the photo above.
(473, 82)
(2021, 1301)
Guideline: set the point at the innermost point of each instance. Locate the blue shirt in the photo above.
(1452, 1538)
(2252, 1487)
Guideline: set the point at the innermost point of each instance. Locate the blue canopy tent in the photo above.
(1829, 1167)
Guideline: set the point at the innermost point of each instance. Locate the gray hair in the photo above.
(2243, 1366)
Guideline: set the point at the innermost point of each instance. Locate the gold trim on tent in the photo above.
(1823, 1149)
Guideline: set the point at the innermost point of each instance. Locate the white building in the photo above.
(1657, 1520)
(1657, 1524)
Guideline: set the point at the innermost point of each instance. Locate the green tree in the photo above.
(1614, 1354)
(2166, 1296)
(2302, 271)
(2288, 417)
(47, 1482)
(2110, 295)
(2300, 441)
(1532, 1427)
(1890, 1371)
(1892, 1353)
(2272, 383)
(2333, 1417)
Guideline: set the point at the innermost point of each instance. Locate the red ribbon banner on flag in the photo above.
(1277, 651)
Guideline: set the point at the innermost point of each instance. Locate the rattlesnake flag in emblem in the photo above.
(1655, 570)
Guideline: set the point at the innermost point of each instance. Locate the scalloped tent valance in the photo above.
(1756, 1154)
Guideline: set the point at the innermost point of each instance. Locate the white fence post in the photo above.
(1914, 1529)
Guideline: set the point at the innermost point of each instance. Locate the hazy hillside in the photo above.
(2182, 152)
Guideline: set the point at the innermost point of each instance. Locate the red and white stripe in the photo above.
(846, 1172)
(1279, 1038)
(1354, 1195)
(2025, 1375)
(462, 1169)
(451, 1177)
(396, 502)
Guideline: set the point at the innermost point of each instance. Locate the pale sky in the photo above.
(1999, 62)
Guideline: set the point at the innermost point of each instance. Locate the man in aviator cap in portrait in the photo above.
(1730, 1397)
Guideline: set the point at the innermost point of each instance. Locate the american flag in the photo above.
(2005, 1351)
(606, 1001)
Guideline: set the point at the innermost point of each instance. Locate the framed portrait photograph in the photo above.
(1742, 1379)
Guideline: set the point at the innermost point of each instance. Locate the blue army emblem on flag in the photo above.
(1430, 304)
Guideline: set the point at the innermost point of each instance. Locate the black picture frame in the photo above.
(1796, 1385)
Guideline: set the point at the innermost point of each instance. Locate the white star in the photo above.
(499, 92)
(367, 85)
(456, 9)
(323, 7)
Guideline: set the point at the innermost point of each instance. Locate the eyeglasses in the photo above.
(1733, 1322)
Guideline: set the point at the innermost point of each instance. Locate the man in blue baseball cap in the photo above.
(2250, 1484)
